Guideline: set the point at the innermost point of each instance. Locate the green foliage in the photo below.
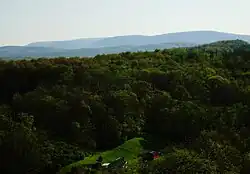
(181, 161)
(19, 149)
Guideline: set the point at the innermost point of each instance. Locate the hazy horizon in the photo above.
(26, 21)
(118, 35)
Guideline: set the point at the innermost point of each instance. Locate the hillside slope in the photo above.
(129, 150)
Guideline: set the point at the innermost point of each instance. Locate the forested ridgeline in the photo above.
(194, 101)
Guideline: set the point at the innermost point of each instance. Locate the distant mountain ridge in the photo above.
(67, 44)
(25, 51)
(93, 46)
(197, 37)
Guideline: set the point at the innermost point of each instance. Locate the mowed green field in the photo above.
(129, 150)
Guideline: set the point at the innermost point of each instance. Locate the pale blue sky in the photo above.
(25, 21)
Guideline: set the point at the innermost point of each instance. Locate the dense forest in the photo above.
(192, 103)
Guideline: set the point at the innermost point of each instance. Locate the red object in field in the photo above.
(155, 155)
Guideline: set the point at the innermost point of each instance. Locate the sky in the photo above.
(26, 21)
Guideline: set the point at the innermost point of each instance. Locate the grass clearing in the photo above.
(129, 150)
